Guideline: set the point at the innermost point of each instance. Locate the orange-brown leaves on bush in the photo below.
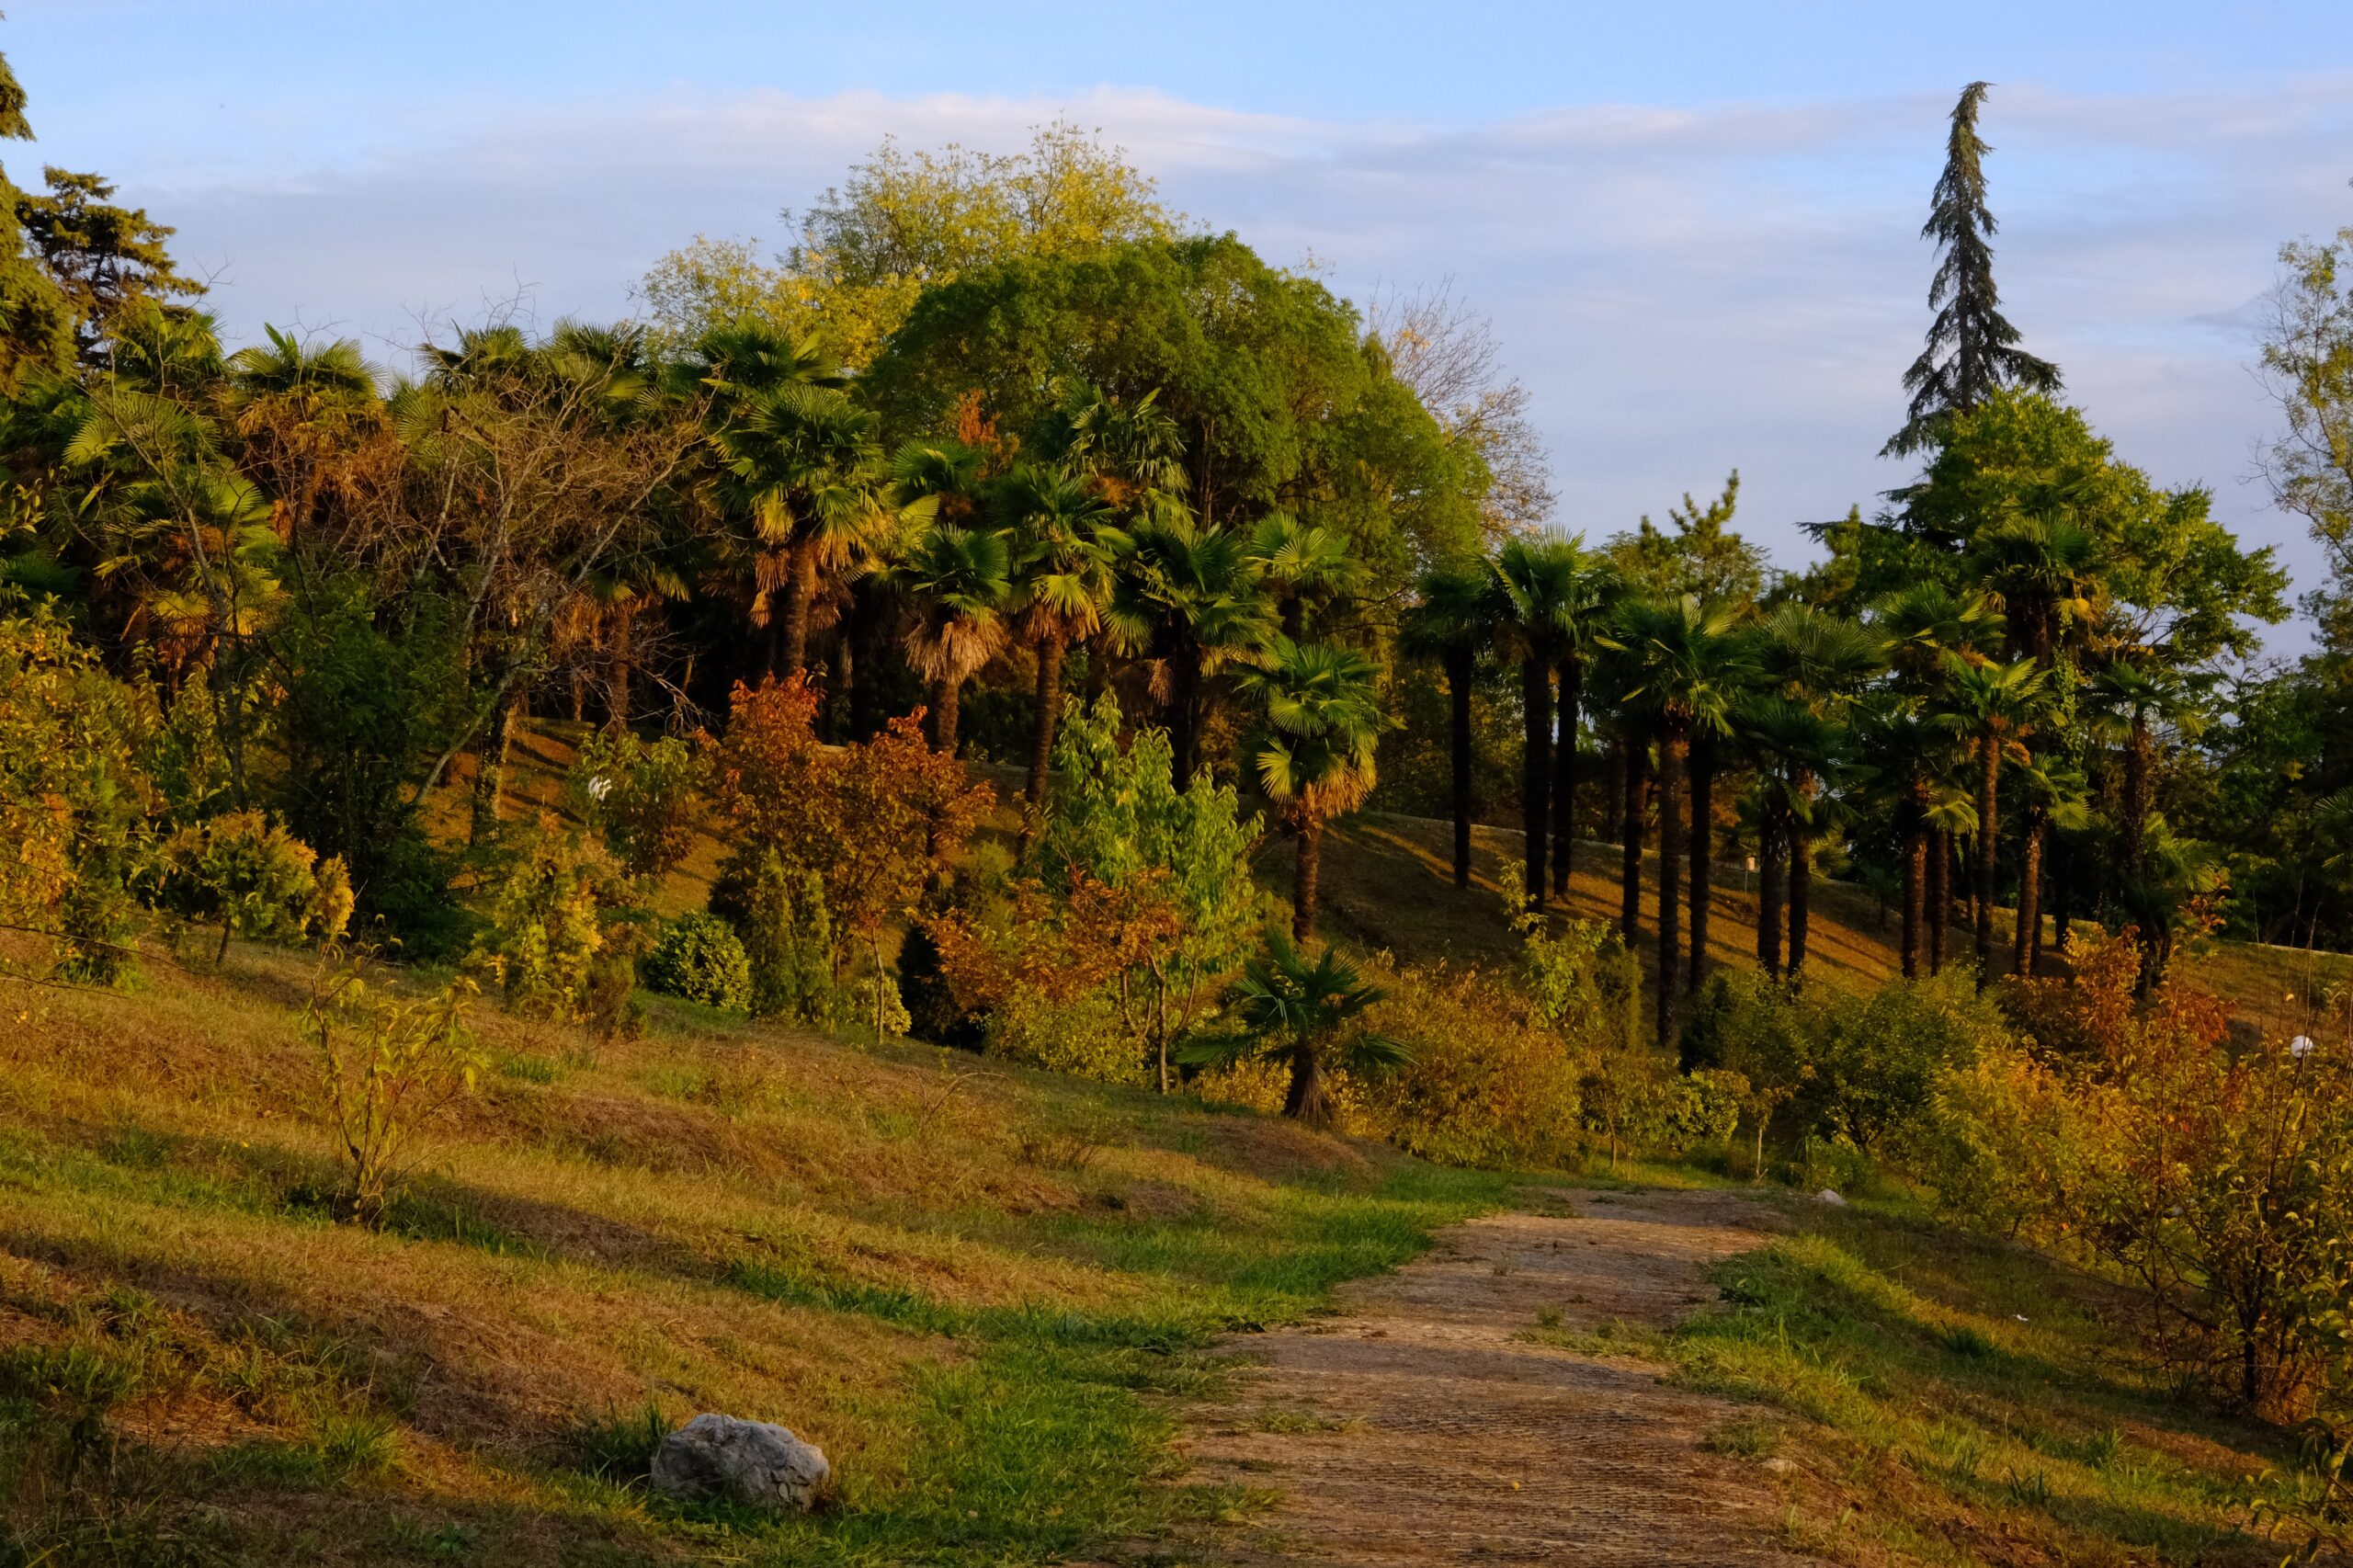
(1055, 951)
(875, 820)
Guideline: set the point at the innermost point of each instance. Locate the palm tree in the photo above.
(1794, 747)
(2040, 568)
(1537, 600)
(1996, 706)
(1450, 624)
(1323, 723)
(1921, 624)
(1308, 1017)
(805, 464)
(960, 580)
(1063, 545)
(1305, 567)
(1684, 669)
(1820, 661)
(2051, 794)
(1187, 597)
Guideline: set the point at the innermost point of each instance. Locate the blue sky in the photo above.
(1694, 226)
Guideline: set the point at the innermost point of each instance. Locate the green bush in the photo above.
(1691, 1111)
(549, 931)
(641, 797)
(1489, 1083)
(1882, 1057)
(698, 957)
(780, 917)
(1086, 1036)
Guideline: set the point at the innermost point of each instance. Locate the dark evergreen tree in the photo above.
(1972, 349)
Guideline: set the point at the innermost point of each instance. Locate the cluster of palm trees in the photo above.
(1079, 536)
(1912, 719)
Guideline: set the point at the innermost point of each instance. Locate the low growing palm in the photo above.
(1309, 1016)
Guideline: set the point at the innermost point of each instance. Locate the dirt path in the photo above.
(1424, 1427)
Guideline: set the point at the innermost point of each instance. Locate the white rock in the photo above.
(1832, 1198)
(716, 1457)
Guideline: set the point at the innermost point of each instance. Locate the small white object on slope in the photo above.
(1832, 1198)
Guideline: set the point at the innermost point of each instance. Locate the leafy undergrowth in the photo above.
(1951, 1400)
(964, 1282)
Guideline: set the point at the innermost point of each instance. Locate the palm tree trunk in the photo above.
(2133, 853)
(1459, 672)
(1536, 766)
(1674, 743)
(1703, 855)
(799, 592)
(2026, 940)
(1309, 1100)
(1565, 773)
(1801, 899)
(1940, 896)
(1183, 703)
(1989, 784)
(1769, 862)
(865, 668)
(1307, 878)
(1613, 790)
(946, 697)
(2062, 894)
(1629, 846)
(1041, 745)
(617, 680)
(1916, 865)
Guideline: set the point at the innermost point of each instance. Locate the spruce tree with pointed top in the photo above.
(36, 327)
(1972, 349)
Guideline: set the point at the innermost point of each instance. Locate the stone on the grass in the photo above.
(1832, 1198)
(720, 1459)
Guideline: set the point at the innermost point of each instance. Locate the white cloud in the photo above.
(1684, 290)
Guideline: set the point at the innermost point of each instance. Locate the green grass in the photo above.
(1966, 1402)
(983, 1290)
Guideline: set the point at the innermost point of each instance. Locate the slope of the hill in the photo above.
(1388, 884)
(962, 1281)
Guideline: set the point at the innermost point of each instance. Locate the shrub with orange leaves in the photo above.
(877, 822)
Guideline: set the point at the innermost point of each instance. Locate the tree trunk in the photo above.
(1703, 855)
(1308, 1100)
(1630, 846)
(1989, 785)
(1307, 877)
(618, 701)
(2133, 832)
(2062, 894)
(490, 779)
(1536, 766)
(946, 695)
(1613, 792)
(1041, 745)
(1768, 898)
(1674, 743)
(1184, 702)
(865, 666)
(1940, 896)
(799, 592)
(1916, 867)
(2024, 941)
(1801, 899)
(1565, 773)
(1460, 669)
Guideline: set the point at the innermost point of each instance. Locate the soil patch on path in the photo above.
(1433, 1422)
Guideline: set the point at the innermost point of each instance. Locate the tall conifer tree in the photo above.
(1972, 349)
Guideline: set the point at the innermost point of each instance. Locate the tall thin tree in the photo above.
(1972, 348)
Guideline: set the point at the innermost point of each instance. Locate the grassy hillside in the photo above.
(1388, 883)
(961, 1280)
